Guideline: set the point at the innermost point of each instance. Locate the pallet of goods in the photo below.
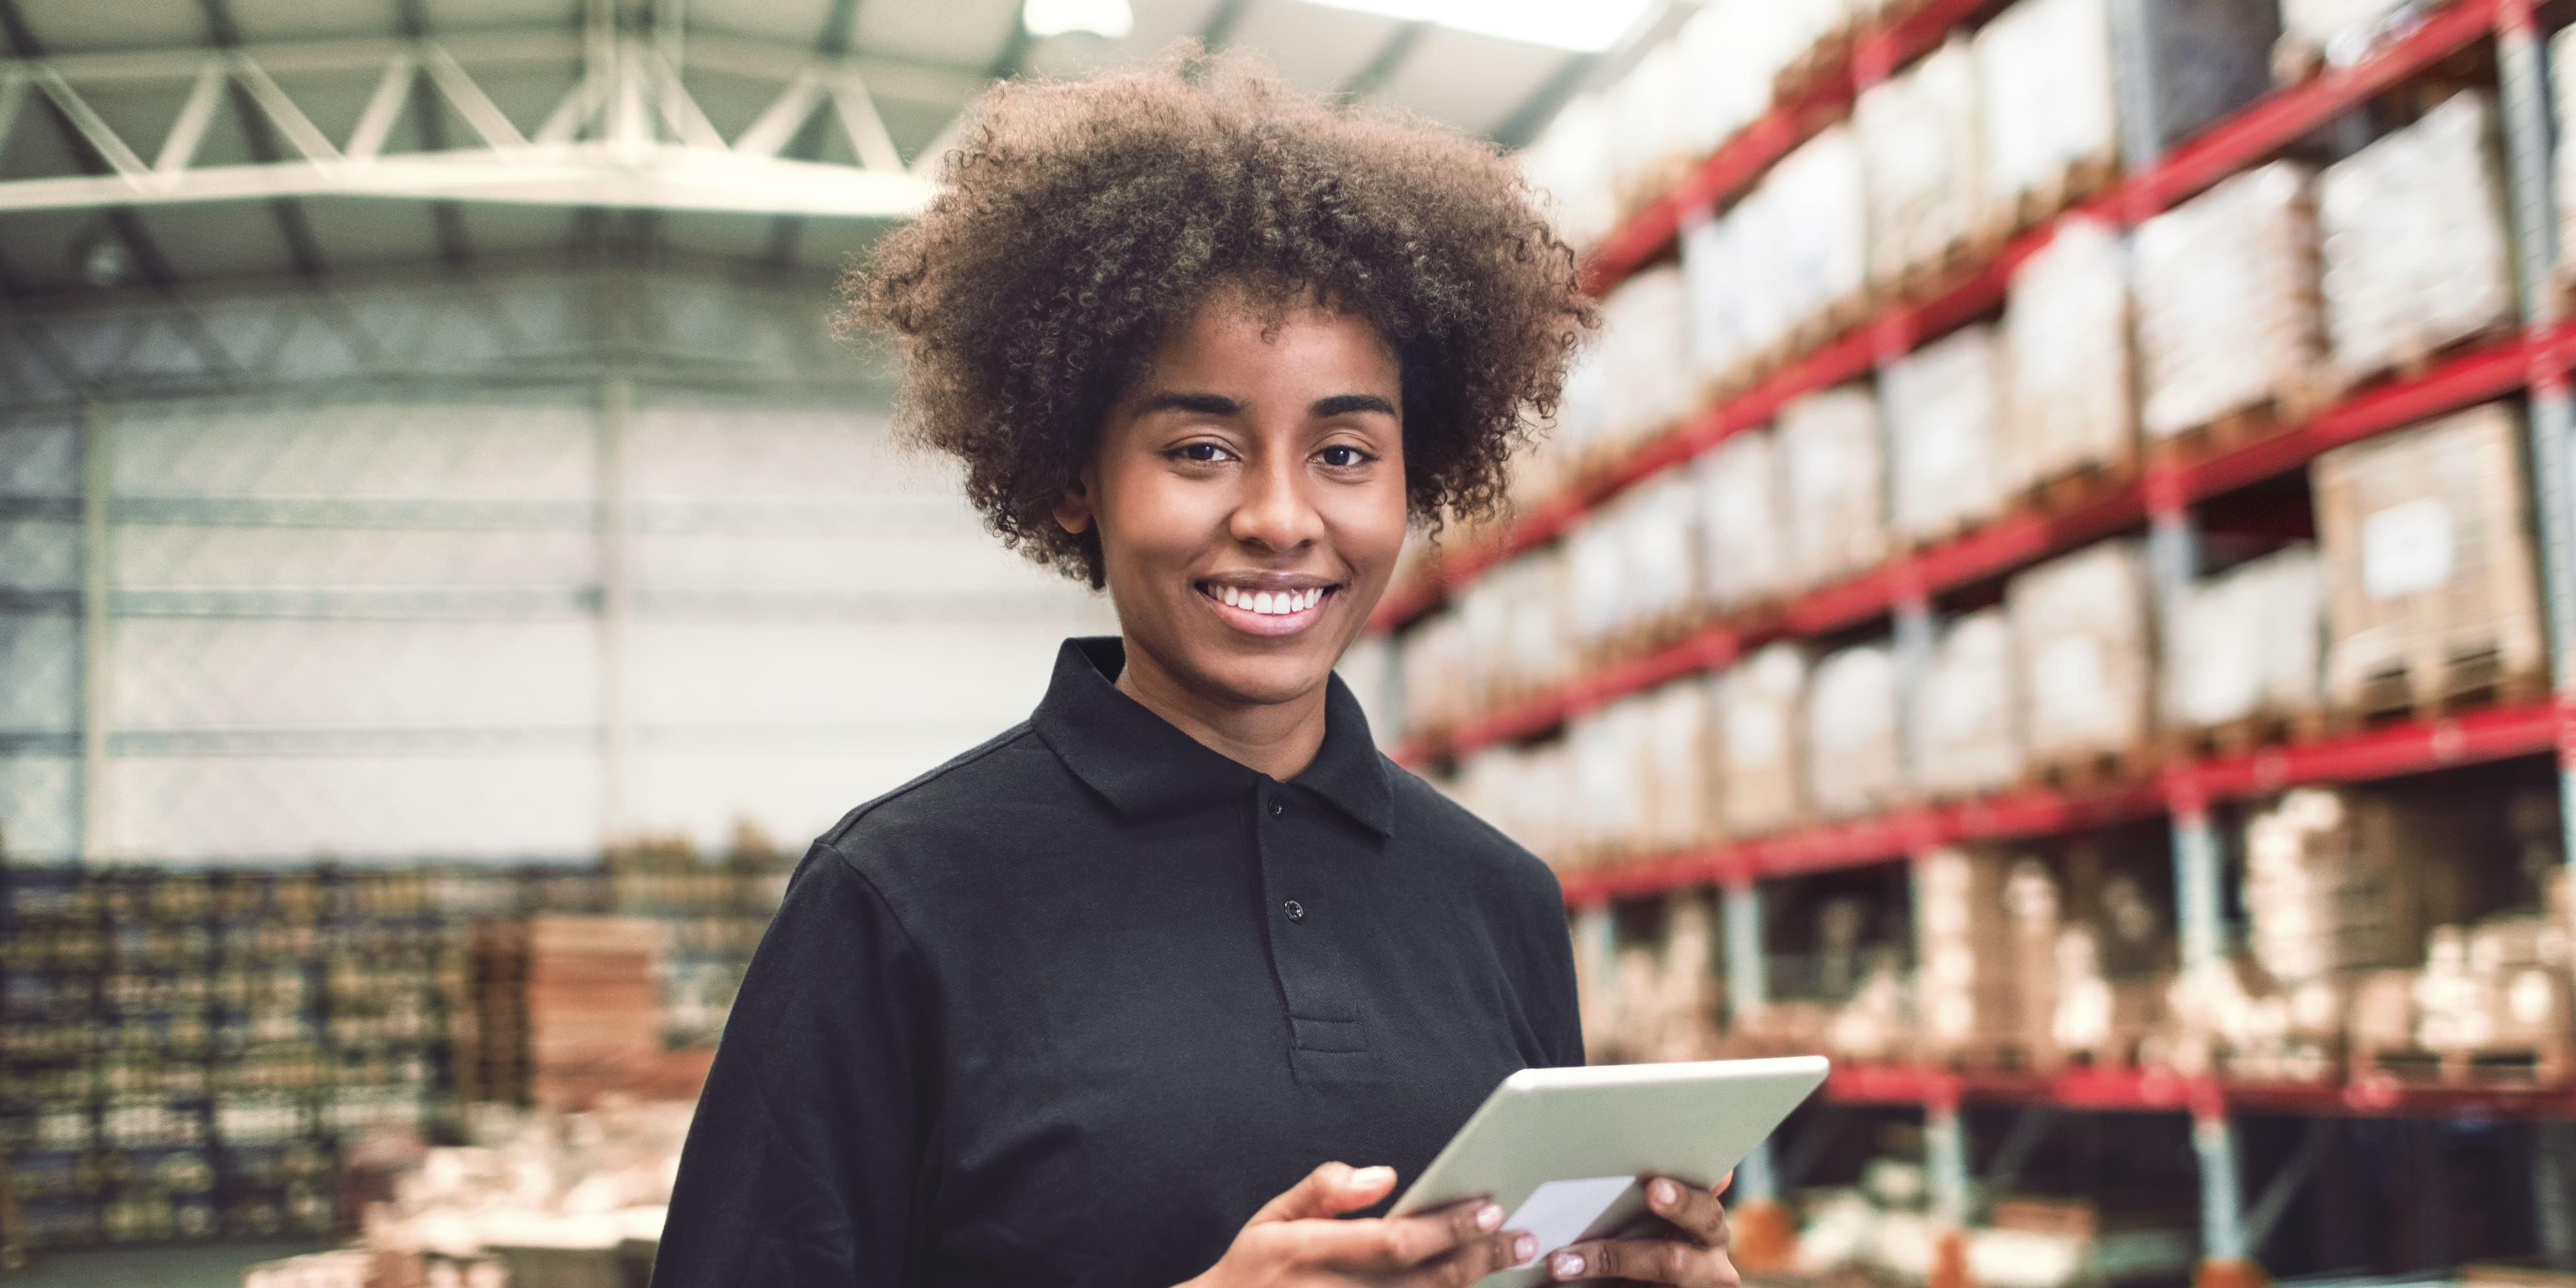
(1964, 712)
(2417, 261)
(1677, 768)
(2081, 629)
(1760, 768)
(1647, 386)
(2049, 127)
(2431, 597)
(1943, 405)
(1986, 926)
(2070, 429)
(1918, 134)
(1831, 478)
(1855, 760)
(2247, 666)
(2229, 345)
(2318, 34)
(1745, 558)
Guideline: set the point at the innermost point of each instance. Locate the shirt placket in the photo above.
(1327, 1028)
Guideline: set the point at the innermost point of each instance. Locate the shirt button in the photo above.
(1278, 808)
(1296, 911)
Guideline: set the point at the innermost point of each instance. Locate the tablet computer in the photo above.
(1561, 1149)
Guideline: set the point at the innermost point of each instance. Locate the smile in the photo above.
(1282, 611)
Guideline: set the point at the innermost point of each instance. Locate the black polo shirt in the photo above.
(1070, 1007)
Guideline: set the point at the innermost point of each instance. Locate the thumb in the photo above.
(1329, 1190)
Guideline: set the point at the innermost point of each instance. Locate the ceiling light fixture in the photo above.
(1107, 19)
(1590, 26)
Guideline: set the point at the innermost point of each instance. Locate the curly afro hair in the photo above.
(1077, 223)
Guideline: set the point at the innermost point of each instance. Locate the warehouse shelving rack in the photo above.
(2536, 362)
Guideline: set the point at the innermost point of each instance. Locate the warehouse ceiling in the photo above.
(148, 145)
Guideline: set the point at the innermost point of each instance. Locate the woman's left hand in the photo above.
(1692, 1253)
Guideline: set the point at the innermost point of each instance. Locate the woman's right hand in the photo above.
(1295, 1240)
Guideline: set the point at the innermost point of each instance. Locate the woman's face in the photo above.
(1249, 494)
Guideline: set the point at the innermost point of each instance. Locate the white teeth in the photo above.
(1233, 597)
(1265, 602)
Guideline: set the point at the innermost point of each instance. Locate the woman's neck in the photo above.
(1278, 738)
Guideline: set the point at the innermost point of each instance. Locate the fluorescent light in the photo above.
(1109, 19)
(1564, 24)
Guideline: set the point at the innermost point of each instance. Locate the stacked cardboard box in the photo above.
(2249, 644)
(2430, 590)
(1986, 927)
(1760, 768)
(2415, 249)
(1855, 762)
(1964, 721)
(2227, 303)
(1919, 139)
(1746, 558)
(2071, 405)
(2050, 124)
(1831, 484)
(2080, 628)
(1946, 466)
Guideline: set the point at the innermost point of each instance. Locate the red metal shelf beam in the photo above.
(2384, 752)
(2259, 130)
(2145, 1091)
(2021, 539)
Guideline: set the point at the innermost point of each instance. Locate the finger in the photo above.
(1472, 1261)
(1397, 1243)
(1329, 1190)
(1654, 1261)
(1695, 1210)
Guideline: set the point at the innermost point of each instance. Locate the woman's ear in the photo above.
(1073, 509)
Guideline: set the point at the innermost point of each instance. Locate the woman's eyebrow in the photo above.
(1204, 404)
(1345, 404)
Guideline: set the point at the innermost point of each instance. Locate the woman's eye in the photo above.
(1344, 457)
(1200, 452)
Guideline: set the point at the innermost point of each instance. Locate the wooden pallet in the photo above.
(1957, 261)
(2420, 361)
(2077, 488)
(1994, 1053)
(2460, 682)
(2245, 734)
(2286, 410)
(2081, 181)
(2539, 1064)
(1809, 72)
(2091, 771)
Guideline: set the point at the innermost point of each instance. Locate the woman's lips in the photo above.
(1267, 612)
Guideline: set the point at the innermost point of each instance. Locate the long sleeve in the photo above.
(802, 1166)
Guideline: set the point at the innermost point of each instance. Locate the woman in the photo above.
(1086, 1003)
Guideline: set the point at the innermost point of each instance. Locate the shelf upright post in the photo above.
(97, 478)
(1764, 1234)
(2524, 90)
(1945, 1151)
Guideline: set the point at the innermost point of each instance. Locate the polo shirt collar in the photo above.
(1146, 767)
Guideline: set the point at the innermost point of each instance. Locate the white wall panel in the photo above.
(490, 805)
(519, 450)
(40, 674)
(151, 556)
(791, 791)
(198, 673)
(40, 458)
(39, 554)
(39, 808)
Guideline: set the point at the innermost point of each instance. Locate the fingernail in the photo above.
(1524, 1248)
(1372, 1175)
(1489, 1217)
(1568, 1265)
(1664, 1194)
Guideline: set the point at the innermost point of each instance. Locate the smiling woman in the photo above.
(1085, 1004)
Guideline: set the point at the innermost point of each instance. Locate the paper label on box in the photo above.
(2406, 548)
(1558, 1212)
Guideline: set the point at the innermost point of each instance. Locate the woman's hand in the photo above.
(1294, 1241)
(1693, 1254)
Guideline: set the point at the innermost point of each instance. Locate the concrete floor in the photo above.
(215, 1265)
